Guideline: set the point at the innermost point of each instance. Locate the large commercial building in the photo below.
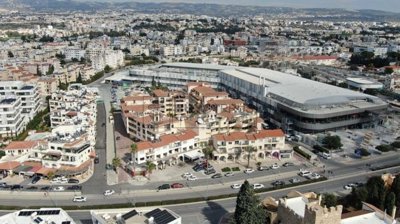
(290, 102)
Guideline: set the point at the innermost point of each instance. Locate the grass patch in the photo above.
(226, 169)
(235, 169)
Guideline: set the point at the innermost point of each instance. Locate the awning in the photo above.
(193, 154)
(70, 170)
(33, 170)
(9, 165)
(45, 171)
(22, 168)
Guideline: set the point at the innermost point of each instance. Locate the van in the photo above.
(326, 155)
(305, 173)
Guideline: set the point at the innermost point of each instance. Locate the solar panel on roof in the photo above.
(66, 222)
(130, 214)
(152, 213)
(163, 217)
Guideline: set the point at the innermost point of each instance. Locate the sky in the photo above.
(386, 5)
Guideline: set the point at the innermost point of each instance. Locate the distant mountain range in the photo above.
(196, 9)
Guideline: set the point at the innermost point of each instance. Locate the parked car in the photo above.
(294, 180)
(73, 181)
(274, 166)
(177, 185)
(349, 186)
(96, 160)
(63, 181)
(314, 176)
(278, 183)
(3, 184)
(229, 174)
(288, 164)
(164, 187)
(248, 170)
(186, 175)
(261, 168)
(45, 188)
(32, 188)
(218, 175)
(16, 187)
(208, 172)
(305, 173)
(74, 188)
(192, 178)
(79, 199)
(236, 186)
(35, 179)
(258, 186)
(109, 192)
(60, 188)
(109, 166)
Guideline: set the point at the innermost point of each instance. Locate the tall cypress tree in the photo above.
(248, 208)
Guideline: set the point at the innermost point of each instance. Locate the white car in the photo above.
(79, 199)
(275, 166)
(349, 186)
(236, 186)
(63, 181)
(248, 170)
(305, 173)
(314, 176)
(229, 174)
(191, 178)
(109, 192)
(58, 189)
(186, 175)
(258, 186)
(294, 180)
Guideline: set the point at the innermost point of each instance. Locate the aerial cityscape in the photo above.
(196, 112)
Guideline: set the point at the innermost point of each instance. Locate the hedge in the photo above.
(235, 169)
(301, 152)
(319, 148)
(384, 148)
(395, 144)
(226, 169)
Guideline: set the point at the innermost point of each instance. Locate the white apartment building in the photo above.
(74, 52)
(167, 147)
(173, 103)
(266, 143)
(137, 50)
(171, 50)
(11, 118)
(68, 146)
(28, 94)
(47, 86)
(112, 58)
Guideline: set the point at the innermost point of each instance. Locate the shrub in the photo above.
(226, 169)
(396, 144)
(235, 169)
(384, 148)
(362, 152)
(319, 148)
(301, 152)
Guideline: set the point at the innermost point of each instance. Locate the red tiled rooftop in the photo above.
(17, 145)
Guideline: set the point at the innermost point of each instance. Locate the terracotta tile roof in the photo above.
(189, 84)
(210, 94)
(160, 93)
(44, 171)
(9, 165)
(17, 145)
(138, 98)
(166, 140)
(204, 89)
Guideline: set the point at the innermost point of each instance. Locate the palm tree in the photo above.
(116, 162)
(50, 175)
(133, 152)
(249, 150)
(150, 166)
(207, 153)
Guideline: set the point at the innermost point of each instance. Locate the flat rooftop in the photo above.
(297, 204)
(369, 218)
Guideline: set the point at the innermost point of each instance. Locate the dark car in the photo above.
(16, 187)
(74, 188)
(73, 181)
(217, 175)
(35, 179)
(109, 167)
(32, 188)
(288, 164)
(164, 187)
(177, 185)
(96, 160)
(46, 188)
(278, 183)
(208, 172)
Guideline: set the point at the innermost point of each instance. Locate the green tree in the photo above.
(376, 191)
(107, 69)
(332, 142)
(50, 175)
(116, 162)
(358, 195)
(395, 188)
(388, 70)
(329, 200)
(10, 54)
(150, 166)
(50, 70)
(2, 153)
(153, 82)
(133, 152)
(248, 209)
(390, 202)
(38, 72)
(207, 153)
(79, 78)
